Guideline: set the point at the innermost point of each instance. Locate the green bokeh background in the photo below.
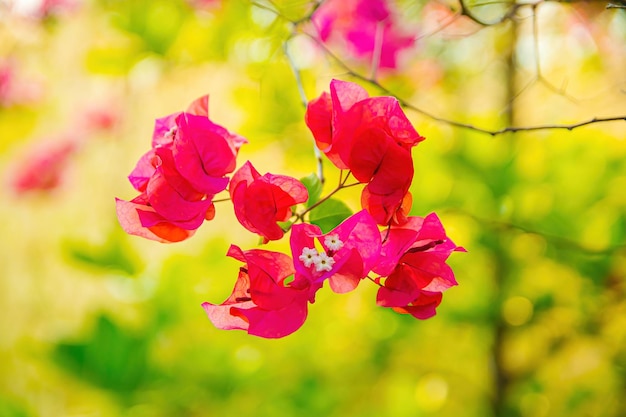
(98, 323)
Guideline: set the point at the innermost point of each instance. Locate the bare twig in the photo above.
(466, 11)
(296, 73)
(492, 132)
(298, 76)
(539, 74)
(341, 186)
(454, 123)
(557, 241)
(378, 49)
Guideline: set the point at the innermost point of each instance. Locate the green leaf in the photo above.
(111, 357)
(114, 254)
(329, 214)
(314, 187)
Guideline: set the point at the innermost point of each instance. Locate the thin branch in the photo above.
(561, 241)
(539, 74)
(295, 70)
(492, 132)
(305, 102)
(296, 73)
(373, 82)
(341, 186)
(375, 280)
(466, 11)
(378, 48)
(309, 15)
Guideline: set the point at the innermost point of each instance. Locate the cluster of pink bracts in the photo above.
(372, 138)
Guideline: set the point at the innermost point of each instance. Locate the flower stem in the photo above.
(341, 186)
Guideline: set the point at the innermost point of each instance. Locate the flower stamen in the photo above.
(308, 256)
(333, 242)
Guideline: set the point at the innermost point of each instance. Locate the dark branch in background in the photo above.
(539, 74)
(305, 102)
(465, 11)
(316, 5)
(492, 132)
(296, 73)
(557, 241)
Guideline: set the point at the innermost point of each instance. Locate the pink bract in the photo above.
(413, 258)
(136, 216)
(260, 201)
(261, 303)
(203, 153)
(373, 138)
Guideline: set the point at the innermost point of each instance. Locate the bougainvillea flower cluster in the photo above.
(408, 263)
(179, 176)
(369, 138)
(369, 28)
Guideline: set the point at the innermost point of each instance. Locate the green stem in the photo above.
(341, 186)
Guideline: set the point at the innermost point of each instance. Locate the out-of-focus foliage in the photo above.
(100, 323)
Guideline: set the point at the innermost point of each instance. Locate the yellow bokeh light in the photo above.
(431, 392)
(517, 311)
(534, 405)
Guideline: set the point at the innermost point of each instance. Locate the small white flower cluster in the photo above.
(321, 260)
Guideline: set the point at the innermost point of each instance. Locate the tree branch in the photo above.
(466, 11)
(298, 76)
(558, 241)
(375, 83)
(492, 132)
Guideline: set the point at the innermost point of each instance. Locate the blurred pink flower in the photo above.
(43, 9)
(101, 118)
(14, 89)
(44, 166)
(204, 4)
(368, 26)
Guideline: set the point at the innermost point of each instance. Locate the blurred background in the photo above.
(98, 323)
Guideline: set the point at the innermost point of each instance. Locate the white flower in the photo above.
(332, 242)
(323, 262)
(308, 256)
